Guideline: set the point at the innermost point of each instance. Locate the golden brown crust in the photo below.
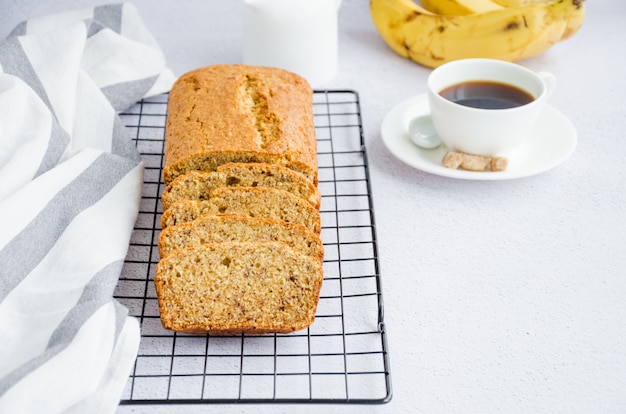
(238, 113)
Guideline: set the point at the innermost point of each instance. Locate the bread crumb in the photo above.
(471, 162)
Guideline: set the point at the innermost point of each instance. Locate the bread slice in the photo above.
(248, 201)
(236, 228)
(199, 184)
(230, 288)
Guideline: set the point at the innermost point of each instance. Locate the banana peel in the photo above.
(460, 7)
(506, 33)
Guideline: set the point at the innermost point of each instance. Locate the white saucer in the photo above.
(552, 142)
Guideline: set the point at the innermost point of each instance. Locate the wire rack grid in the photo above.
(341, 358)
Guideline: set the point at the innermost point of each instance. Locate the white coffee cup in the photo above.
(489, 132)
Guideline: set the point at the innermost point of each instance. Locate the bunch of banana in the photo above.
(456, 29)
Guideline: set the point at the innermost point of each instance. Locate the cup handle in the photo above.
(549, 80)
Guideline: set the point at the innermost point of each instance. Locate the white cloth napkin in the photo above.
(71, 183)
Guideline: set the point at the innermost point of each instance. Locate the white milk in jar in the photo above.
(297, 35)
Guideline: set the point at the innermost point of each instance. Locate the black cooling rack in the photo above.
(341, 358)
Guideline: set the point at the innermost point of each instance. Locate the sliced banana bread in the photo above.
(229, 288)
(199, 184)
(247, 201)
(236, 228)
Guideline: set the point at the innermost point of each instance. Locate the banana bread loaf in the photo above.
(247, 201)
(198, 184)
(229, 288)
(238, 113)
(236, 228)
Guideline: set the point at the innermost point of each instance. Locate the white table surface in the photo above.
(500, 296)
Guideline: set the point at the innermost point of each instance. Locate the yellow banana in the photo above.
(508, 34)
(464, 7)
(517, 3)
(575, 21)
(460, 7)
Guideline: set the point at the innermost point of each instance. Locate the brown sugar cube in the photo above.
(499, 163)
(475, 162)
(452, 160)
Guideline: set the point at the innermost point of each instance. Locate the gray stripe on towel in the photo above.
(122, 144)
(124, 94)
(59, 139)
(24, 252)
(93, 27)
(19, 30)
(96, 294)
(15, 62)
(110, 15)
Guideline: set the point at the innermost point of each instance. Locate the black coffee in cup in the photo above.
(487, 95)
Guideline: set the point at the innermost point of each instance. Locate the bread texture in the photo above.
(248, 201)
(237, 113)
(230, 288)
(197, 185)
(236, 228)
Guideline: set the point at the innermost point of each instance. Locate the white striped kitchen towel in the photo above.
(70, 186)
